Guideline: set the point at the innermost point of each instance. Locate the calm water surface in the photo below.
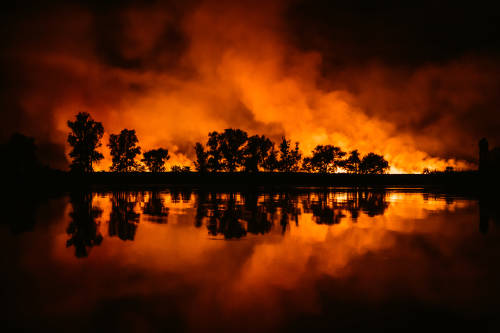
(299, 260)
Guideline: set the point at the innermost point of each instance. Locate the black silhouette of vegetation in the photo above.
(201, 162)
(325, 159)
(19, 155)
(256, 152)
(232, 150)
(351, 164)
(124, 150)
(289, 158)
(225, 150)
(373, 164)
(85, 138)
(83, 228)
(155, 159)
(270, 163)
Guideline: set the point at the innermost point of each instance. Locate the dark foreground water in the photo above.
(300, 260)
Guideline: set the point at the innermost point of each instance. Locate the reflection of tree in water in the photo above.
(372, 203)
(256, 215)
(235, 214)
(178, 194)
(253, 213)
(224, 218)
(328, 208)
(155, 209)
(288, 204)
(123, 219)
(83, 229)
(324, 211)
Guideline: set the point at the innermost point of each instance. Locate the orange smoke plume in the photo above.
(174, 74)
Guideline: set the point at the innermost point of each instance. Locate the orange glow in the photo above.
(237, 70)
(250, 274)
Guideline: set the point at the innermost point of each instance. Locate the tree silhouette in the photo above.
(155, 159)
(231, 143)
(226, 150)
(124, 149)
(84, 139)
(256, 152)
(19, 154)
(325, 159)
(214, 162)
(201, 163)
(271, 163)
(289, 158)
(373, 164)
(351, 164)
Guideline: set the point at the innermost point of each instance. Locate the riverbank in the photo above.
(66, 180)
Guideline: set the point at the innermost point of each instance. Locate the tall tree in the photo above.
(373, 163)
(155, 159)
(231, 143)
(214, 162)
(325, 159)
(351, 164)
(271, 162)
(289, 158)
(307, 164)
(256, 152)
(124, 149)
(201, 163)
(84, 138)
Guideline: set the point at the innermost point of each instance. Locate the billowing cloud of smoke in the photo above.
(174, 73)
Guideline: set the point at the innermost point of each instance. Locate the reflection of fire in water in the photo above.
(123, 220)
(233, 215)
(83, 228)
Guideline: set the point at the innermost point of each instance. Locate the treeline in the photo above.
(229, 151)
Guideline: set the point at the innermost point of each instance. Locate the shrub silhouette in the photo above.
(351, 164)
(201, 163)
(289, 158)
(271, 163)
(84, 138)
(124, 149)
(155, 159)
(256, 152)
(373, 164)
(214, 162)
(231, 143)
(325, 159)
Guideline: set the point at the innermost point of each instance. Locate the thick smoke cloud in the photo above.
(413, 83)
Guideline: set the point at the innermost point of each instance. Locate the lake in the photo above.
(304, 259)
